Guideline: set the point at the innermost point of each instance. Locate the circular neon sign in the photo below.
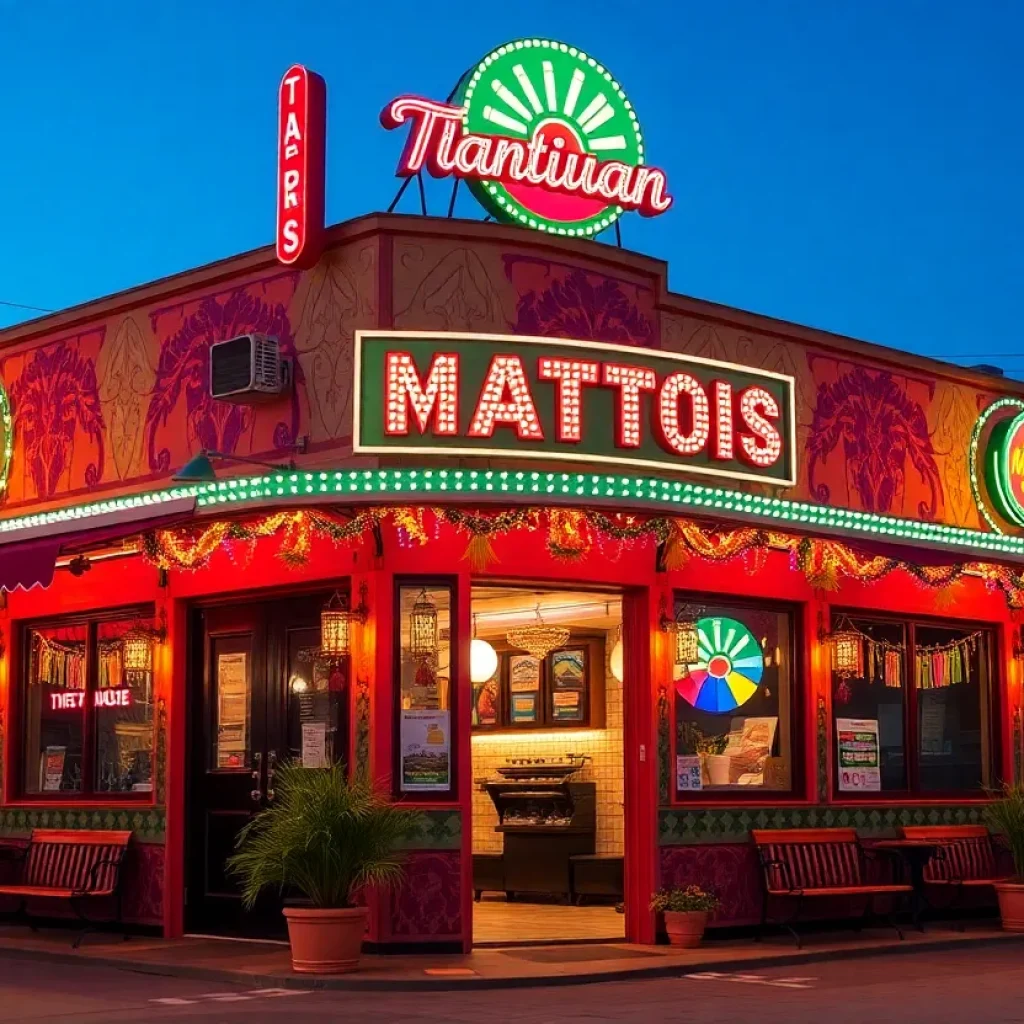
(560, 102)
(1004, 469)
(728, 669)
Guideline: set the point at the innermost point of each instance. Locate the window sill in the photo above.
(85, 803)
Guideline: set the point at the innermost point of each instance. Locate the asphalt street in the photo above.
(983, 986)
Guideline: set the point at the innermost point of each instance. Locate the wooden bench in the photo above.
(966, 859)
(801, 865)
(72, 865)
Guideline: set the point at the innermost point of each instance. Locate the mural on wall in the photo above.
(181, 409)
(869, 445)
(439, 286)
(557, 300)
(332, 301)
(58, 418)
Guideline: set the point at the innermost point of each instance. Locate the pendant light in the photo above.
(335, 628)
(423, 627)
(539, 640)
(483, 659)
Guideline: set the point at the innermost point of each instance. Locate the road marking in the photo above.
(276, 993)
(232, 997)
(171, 1001)
(753, 979)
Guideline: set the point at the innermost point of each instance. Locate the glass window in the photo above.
(88, 708)
(734, 699)
(910, 707)
(425, 669)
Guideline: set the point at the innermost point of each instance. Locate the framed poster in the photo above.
(426, 751)
(859, 755)
(486, 699)
(523, 673)
(524, 708)
(569, 669)
(567, 706)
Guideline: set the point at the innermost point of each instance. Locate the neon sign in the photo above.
(540, 398)
(301, 151)
(544, 136)
(1004, 469)
(120, 697)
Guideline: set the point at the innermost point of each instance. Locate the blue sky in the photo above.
(855, 165)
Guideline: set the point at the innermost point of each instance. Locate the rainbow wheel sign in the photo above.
(728, 669)
(543, 134)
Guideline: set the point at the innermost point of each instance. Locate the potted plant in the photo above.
(329, 839)
(1005, 816)
(686, 913)
(715, 764)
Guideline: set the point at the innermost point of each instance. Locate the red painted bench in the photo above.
(72, 865)
(966, 859)
(805, 864)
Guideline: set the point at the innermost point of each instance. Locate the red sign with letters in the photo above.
(301, 171)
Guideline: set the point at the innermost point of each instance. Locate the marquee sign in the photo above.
(1004, 469)
(540, 398)
(544, 136)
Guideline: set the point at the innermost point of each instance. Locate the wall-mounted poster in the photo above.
(232, 709)
(567, 706)
(859, 760)
(569, 669)
(426, 751)
(688, 773)
(524, 707)
(485, 702)
(53, 769)
(523, 673)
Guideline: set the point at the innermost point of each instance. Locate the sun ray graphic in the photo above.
(510, 98)
(528, 90)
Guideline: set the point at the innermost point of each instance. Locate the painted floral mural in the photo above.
(869, 420)
(183, 372)
(54, 398)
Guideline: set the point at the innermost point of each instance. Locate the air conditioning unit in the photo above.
(248, 369)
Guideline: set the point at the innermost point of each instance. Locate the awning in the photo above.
(29, 552)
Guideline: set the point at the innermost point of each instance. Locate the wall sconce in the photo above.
(846, 647)
(1018, 643)
(684, 625)
(336, 623)
(423, 628)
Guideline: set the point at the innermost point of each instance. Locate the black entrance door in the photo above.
(259, 694)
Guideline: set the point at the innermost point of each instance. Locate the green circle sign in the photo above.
(560, 100)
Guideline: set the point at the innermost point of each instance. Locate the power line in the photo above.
(21, 305)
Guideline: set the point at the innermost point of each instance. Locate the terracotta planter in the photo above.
(685, 927)
(1011, 905)
(718, 768)
(325, 941)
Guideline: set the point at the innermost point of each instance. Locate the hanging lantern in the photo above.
(138, 652)
(423, 627)
(687, 637)
(483, 661)
(335, 628)
(615, 660)
(847, 653)
(539, 640)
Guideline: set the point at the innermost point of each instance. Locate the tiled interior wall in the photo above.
(606, 768)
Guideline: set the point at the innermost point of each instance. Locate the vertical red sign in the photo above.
(301, 155)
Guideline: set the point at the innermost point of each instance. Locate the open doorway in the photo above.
(547, 755)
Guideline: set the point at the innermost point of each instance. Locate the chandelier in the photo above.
(539, 640)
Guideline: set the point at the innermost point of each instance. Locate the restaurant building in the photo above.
(475, 504)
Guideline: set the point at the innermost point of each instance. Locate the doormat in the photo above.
(576, 954)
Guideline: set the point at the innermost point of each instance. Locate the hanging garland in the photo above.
(942, 665)
(482, 528)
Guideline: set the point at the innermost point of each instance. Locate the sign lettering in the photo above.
(74, 700)
(301, 134)
(539, 398)
(543, 134)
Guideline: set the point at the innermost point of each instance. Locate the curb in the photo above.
(351, 983)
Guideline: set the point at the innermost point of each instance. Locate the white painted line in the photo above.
(171, 1001)
(753, 979)
(276, 993)
(225, 997)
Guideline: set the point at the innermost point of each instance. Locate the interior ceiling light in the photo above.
(538, 639)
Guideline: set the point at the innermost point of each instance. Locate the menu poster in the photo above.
(859, 755)
(426, 751)
(748, 747)
(53, 768)
(524, 707)
(566, 705)
(314, 744)
(568, 668)
(688, 773)
(232, 709)
(523, 673)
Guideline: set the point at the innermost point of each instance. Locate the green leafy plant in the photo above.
(692, 898)
(323, 835)
(1005, 816)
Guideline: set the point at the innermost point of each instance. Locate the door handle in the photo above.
(256, 794)
(271, 763)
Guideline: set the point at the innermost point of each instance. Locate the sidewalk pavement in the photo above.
(268, 964)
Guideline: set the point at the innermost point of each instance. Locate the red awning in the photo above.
(28, 557)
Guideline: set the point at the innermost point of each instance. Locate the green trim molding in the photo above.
(148, 823)
(436, 830)
(529, 487)
(679, 827)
